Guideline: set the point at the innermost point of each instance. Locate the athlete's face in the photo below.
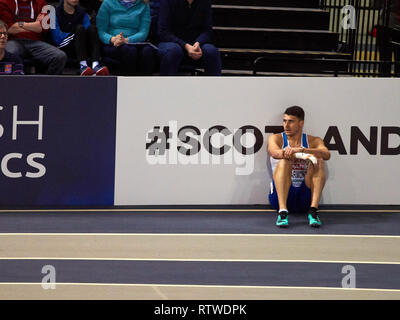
(292, 125)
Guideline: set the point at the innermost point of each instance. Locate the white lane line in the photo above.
(203, 235)
(201, 286)
(201, 260)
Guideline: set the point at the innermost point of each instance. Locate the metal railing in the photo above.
(362, 26)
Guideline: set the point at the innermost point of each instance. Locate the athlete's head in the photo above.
(293, 120)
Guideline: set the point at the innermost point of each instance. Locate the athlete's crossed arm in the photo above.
(317, 148)
(275, 150)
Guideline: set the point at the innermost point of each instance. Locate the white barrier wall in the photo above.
(359, 118)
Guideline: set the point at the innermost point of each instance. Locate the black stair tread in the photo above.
(277, 51)
(221, 6)
(227, 72)
(269, 17)
(273, 30)
(278, 3)
(262, 38)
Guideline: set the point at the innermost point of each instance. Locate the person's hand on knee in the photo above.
(192, 52)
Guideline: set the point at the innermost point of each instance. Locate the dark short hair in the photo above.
(3, 24)
(295, 111)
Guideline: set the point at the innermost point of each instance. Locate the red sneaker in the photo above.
(101, 71)
(86, 71)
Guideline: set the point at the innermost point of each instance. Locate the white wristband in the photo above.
(306, 156)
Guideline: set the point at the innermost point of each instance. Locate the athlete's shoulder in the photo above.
(276, 137)
(314, 140)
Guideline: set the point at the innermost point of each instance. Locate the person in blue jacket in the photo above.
(185, 30)
(77, 37)
(123, 27)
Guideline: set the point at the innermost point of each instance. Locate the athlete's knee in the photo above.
(317, 170)
(285, 163)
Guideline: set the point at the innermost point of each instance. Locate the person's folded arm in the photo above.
(58, 35)
(144, 28)
(8, 17)
(33, 26)
(164, 25)
(103, 23)
(318, 149)
(205, 35)
(274, 149)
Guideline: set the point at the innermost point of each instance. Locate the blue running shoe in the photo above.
(282, 221)
(313, 219)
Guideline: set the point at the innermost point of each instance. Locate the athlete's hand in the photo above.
(288, 152)
(318, 164)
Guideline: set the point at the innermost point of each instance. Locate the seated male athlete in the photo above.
(297, 184)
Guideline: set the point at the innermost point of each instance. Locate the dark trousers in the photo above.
(133, 59)
(172, 55)
(86, 44)
(47, 55)
(384, 38)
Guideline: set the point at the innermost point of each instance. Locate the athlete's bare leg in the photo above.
(315, 180)
(283, 180)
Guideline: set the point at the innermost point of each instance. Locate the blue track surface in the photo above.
(202, 273)
(363, 223)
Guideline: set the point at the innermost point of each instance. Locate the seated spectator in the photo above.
(77, 37)
(154, 9)
(185, 29)
(123, 26)
(388, 39)
(24, 21)
(9, 63)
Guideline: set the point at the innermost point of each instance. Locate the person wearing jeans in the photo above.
(185, 30)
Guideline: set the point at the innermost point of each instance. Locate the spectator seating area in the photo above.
(271, 37)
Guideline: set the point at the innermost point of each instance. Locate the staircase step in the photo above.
(247, 73)
(271, 3)
(270, 38)
(315, 66)
(283, 61)
(270, 17)
(252, 54)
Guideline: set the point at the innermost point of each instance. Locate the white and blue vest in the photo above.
(300, 166)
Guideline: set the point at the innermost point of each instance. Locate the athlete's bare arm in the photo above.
(317, 148)
(275, 142)
(274, 146)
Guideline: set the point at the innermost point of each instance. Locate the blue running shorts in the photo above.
(298, 201)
